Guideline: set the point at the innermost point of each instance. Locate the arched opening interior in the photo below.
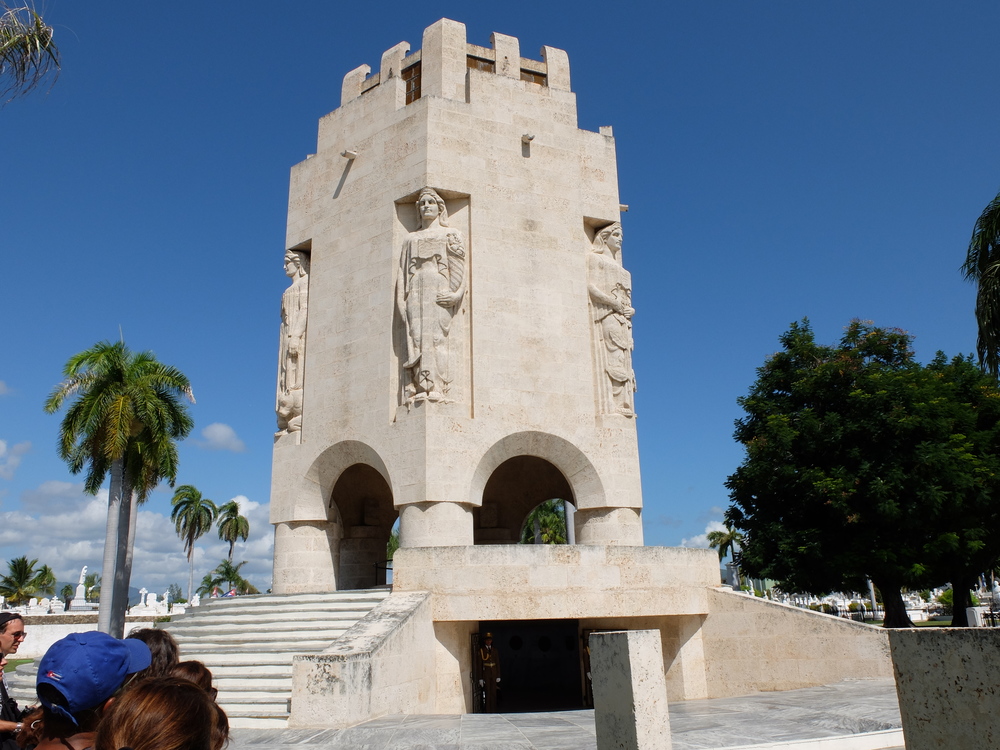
(514, 489)
(363, 500)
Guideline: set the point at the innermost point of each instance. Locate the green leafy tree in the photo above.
(982, 267)
(193, 516)
(545, 524)
(175, 593)
(92, 587)
(124, 420)
(860, 462)
(66, 594)
(232, 525)
(23, 581)
(393, 544)
(28, 56)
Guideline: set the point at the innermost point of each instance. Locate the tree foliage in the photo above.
(982, 266)
(193, 516)
(545, 524)
(232, 525)
(23, 581)
(28, 56)
(862, 463)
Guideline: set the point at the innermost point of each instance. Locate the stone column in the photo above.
(435, 525)
(608, 526)
(630, 691)
(306, 554)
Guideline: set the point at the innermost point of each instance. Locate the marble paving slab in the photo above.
(832, 711)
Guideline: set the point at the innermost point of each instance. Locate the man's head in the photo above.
(81, 671)
(11, 632)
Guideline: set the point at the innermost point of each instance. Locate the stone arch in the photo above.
(356, 493)
(522, 470)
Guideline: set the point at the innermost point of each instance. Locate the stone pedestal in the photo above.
(630, 691)
(946, 680)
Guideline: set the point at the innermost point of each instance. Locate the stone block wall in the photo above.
(755, 645)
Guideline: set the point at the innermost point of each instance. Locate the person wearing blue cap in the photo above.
(77, 677)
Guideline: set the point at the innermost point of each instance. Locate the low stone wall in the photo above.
(383, 664)
(753, 645)
(44, 630)
(537, 582)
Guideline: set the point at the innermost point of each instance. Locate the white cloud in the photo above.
(4, 390)
(701, 540)
(10, 458)
(221, 437)
(63, 527)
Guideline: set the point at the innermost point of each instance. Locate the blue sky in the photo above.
(780, 160)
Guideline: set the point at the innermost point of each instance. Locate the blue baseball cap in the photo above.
(87, 669)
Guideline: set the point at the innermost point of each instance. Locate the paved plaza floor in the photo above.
(799, 717)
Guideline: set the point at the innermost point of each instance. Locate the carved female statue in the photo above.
(429, 291)
(291, 357)
(610, 288)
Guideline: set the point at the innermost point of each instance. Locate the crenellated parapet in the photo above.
(439, 67)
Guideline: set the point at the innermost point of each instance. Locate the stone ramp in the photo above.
(248, 642)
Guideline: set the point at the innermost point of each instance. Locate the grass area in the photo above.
(13, 664)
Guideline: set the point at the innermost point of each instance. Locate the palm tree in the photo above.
(727, 541)
(66, 594)
(46, 578)
(22, 580)
(982, 266)
(193, 516)
(27, 53)
(230, 574)
(545, 524)
(232, 525)
(208, 584)
(124, 421)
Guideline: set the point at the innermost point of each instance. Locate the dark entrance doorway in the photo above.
(539, 664)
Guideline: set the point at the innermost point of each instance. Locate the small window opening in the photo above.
(481, 63)
(411, 77)
(532, 77)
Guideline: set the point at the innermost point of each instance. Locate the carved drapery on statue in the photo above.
(429, 292)
(291, 357)
(610, 288)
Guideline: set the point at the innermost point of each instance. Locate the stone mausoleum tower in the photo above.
(456, 339)
(456, 348)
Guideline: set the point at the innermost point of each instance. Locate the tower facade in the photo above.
(456, 339)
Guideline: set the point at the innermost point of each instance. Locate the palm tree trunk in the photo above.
(232, 545)
(191, 574)
(127, 538)
(114, 559)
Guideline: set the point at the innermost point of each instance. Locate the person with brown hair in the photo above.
(77, 677)
(164, 713)
(196, 672)
(163, 647)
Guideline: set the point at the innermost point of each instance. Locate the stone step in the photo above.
(299, 617)
(249, 643)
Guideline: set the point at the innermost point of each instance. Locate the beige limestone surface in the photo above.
(630, 692)
(946, 680)
(437, 354)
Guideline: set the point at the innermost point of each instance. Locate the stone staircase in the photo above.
(248, 643)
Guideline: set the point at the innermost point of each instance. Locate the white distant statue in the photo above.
(995, 594)
(83, 575)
